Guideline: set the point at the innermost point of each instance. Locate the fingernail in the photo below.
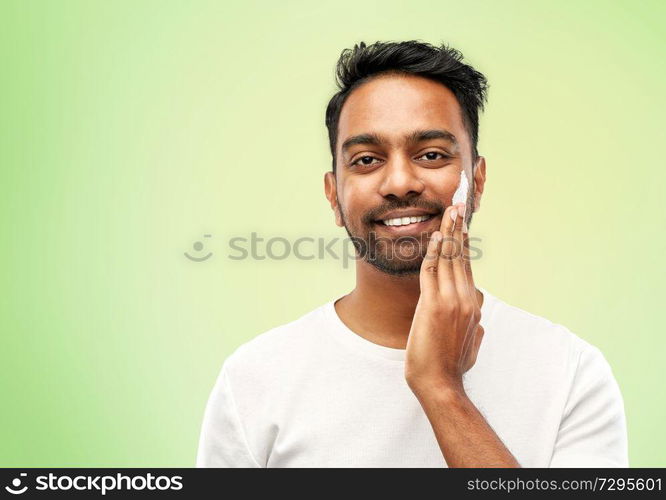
(454, 214)
(462, 210)
(464, 227)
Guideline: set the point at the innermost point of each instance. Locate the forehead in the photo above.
(396, 105)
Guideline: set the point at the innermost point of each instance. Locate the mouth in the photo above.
(407, 223)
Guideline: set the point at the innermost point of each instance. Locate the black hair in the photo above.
(442, 64)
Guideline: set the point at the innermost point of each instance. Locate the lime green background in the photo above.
(129, 129)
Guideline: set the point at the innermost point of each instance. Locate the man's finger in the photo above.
(445, 270)
(467, 261)
(429, 266)
(457, 262)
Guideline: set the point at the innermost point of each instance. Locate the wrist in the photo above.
(446, 400)
(443, 390)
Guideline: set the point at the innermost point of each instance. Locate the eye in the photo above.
(432, 155)
(365, 161)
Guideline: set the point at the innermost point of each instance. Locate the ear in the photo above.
(479, 181)
(331, 190)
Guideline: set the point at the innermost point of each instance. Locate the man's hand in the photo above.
(445, 335)
(443, 343)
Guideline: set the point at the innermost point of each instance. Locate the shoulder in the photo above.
(522, 334)
(279, 349)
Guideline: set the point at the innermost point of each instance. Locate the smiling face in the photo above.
(400, 149)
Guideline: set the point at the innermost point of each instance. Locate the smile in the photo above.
(405, 221)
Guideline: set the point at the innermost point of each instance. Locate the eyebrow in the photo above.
(414, 137)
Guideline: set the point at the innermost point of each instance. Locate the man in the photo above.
(417, 366)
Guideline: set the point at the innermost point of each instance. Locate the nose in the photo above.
(400, 179)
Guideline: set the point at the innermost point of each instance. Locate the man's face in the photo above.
(400, 150)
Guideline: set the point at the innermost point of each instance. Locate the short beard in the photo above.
(401, 256)
(374, 249)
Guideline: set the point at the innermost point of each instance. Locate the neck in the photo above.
(381, 307)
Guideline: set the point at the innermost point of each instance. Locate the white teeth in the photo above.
(403, 221)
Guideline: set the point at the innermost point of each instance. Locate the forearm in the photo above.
(463, 435)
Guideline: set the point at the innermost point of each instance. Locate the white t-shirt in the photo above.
(312, 393)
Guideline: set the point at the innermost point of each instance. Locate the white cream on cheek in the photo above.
(460, 196)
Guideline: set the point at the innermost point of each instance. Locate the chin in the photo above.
(403, 268)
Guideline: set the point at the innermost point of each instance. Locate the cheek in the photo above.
(443, 184)
(461, 193)
(356, 196)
